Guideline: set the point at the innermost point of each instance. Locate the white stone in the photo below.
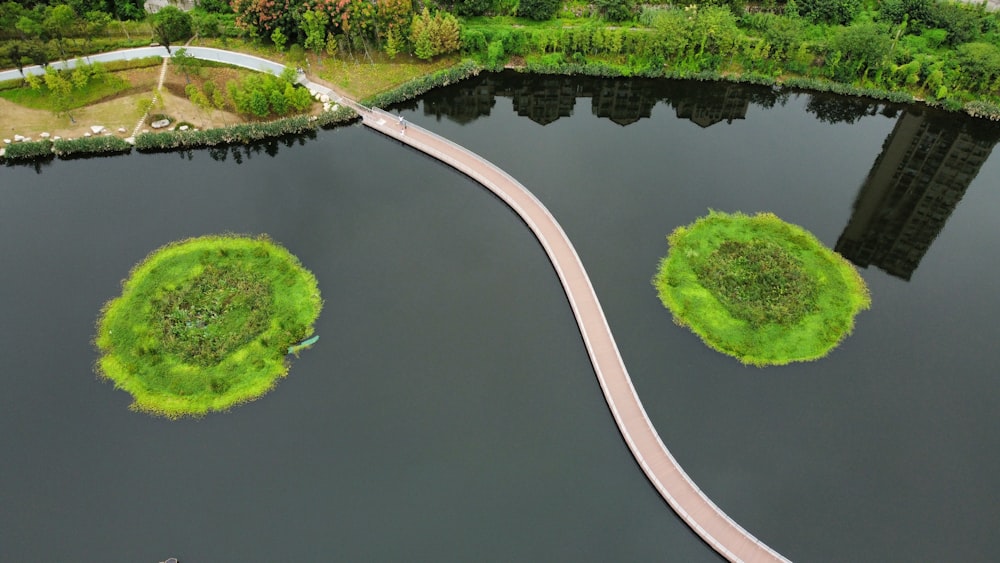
(95, 129)
(18, 138)
(335, 107)
(160, 124)
(183, 127)
(2, 151)
(6, 141)
(26, 139)
(86, 135)
(44, 135)
(130, 140)
(56, 138)
(121, 129)
(324, 98)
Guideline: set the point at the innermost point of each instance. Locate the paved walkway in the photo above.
(697, 510)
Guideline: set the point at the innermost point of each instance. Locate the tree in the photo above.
(863, 47)
(393, 20)
(538, 10)
(432, 36)
(314, 27)
(170, 25)
(979, 64)
(58, 23)
(963, 22)
(616, 10)
(259, 18)
(127, 9)
(473, 7)
(841, 12)
(95, 23)
(187, 63)
(62, 86)
(279, 39)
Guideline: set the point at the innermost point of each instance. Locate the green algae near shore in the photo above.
(759, 289)
(204, 324)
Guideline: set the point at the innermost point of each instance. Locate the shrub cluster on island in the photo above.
(759, 289)
(206, 323)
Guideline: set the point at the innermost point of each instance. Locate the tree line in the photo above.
(931, 49)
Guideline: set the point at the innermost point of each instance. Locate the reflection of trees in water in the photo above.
(269, 147)
(545, 99)
(925, 167)
(832, 108)
(923, 171)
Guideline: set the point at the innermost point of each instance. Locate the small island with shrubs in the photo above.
(206, 323)
(757, 288)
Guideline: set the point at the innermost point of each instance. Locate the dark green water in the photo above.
(449, 412)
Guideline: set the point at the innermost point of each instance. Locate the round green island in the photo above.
(757, 288)
(206, 323)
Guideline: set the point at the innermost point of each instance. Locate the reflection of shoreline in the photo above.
(925, 167)
(545, 98)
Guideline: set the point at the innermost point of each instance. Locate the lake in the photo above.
(449, 411)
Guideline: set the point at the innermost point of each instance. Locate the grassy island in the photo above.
(205, 323)
(757, 288)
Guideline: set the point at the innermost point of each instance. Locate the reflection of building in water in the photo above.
(913, 187)
(465, 106)
(714, 105)
(621, 101)
(547, 101)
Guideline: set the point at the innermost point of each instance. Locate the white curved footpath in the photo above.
(698, 511)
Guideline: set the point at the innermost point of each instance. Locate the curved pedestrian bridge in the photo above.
(663, 471)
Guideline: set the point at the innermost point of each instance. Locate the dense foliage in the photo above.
(759, 289)
(945, 53)
(205, 324)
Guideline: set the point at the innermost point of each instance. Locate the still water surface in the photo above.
(449, 411)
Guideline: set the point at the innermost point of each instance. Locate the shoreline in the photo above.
(29, 150)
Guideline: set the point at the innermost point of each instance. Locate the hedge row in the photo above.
(242, 133)
(144, 62)
(86, 146)
(417, 86)
(29, 150)
(67, 148)
(333, 118)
